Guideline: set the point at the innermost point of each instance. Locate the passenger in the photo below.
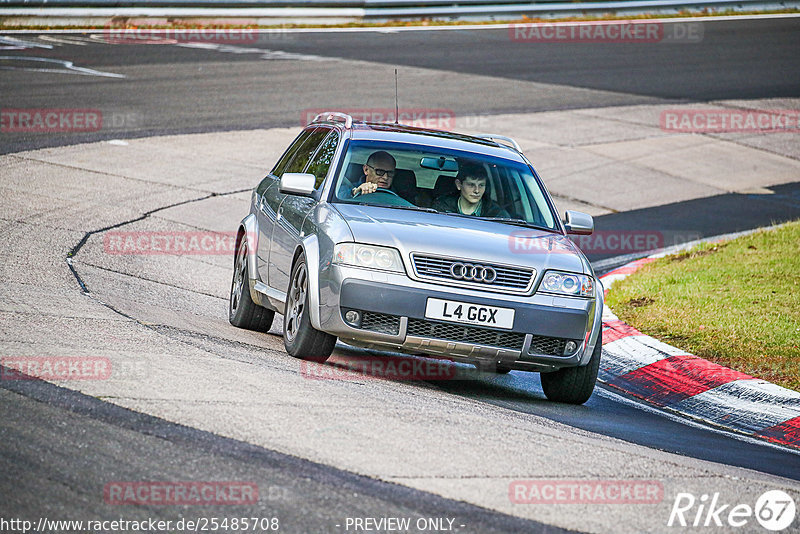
(471, 184)
(378, 172)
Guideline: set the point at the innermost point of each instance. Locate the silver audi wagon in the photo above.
(419, 241)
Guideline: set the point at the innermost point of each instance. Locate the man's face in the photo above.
(472, 189)
(374, 169)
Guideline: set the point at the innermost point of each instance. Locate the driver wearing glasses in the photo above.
(378, 173)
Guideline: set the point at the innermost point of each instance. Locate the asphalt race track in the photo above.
(180, 89)
(223, 404)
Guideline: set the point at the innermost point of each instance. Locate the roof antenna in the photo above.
(396, 106)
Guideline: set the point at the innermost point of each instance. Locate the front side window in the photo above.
(442, 180)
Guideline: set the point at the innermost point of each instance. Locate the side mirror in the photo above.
(578, 223)
(297, 183)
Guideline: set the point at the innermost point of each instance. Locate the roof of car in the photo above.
(402, 133)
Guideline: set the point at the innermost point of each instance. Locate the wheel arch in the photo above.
(595, 335)
(309, 247)
(249, 229)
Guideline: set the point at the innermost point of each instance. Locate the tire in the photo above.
(574, 385)
(242, 311)
(300, 338)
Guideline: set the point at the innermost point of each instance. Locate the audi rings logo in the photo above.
(473, 273)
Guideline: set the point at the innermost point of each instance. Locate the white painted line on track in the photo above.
(689, 421)
(68, 65)
(265, 52)
(742, 403)
(76, 41)
(636, 351)
(18, 44)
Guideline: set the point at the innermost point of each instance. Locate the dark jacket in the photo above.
(449, 204)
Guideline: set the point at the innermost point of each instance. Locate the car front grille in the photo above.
(509, 279)
(381, 323)
(465, 334)
(390, 324)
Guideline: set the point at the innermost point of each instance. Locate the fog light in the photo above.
(353, 318)
(570, 347)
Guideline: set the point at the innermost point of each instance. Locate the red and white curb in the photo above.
(671, 379)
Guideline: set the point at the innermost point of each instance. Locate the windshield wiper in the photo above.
(413, 208)
(510, 220)
(518, 222)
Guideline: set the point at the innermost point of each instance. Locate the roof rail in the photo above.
(496, 137)
(329, 115)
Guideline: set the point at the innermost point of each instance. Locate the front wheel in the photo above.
(574, 385)
(300, 338)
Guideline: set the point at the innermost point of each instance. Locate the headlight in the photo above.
(368, 256)
(578, 285)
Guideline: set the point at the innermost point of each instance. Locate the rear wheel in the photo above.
(574, 385)
(242, 311)
(300, 338)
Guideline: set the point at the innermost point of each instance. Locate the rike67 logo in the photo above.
(774, 510)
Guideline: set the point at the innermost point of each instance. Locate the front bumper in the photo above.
(393, 310)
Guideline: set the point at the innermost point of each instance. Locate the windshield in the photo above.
(444, 181)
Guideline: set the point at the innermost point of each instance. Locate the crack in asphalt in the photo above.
(215, 339)
(138, 277)
(160, 329)
(72, 253)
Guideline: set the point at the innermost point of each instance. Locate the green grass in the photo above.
(122, 22)
(735, 303)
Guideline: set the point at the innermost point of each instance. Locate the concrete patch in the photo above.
(203, 372)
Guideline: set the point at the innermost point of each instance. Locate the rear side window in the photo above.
(306, 150)
(290, 153)
(322, 159)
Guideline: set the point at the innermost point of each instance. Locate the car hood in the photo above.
(462, 237)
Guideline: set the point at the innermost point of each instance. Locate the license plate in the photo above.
(464, 312)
